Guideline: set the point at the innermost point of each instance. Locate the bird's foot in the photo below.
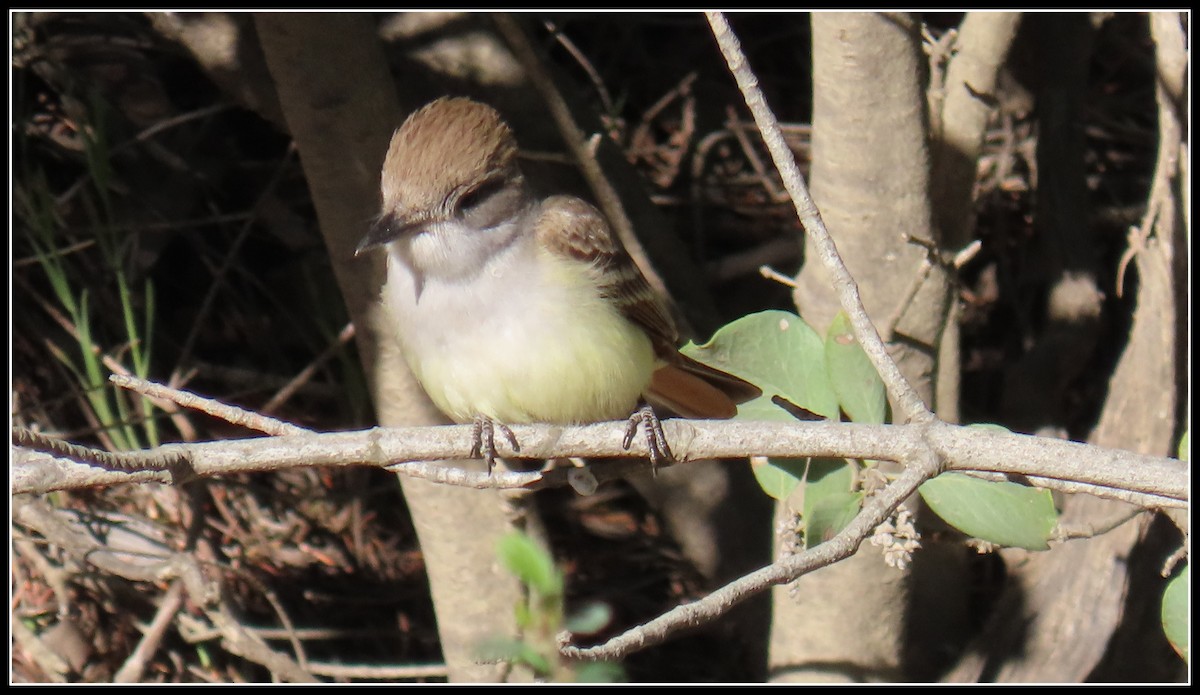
(484, 439)
(656, 440)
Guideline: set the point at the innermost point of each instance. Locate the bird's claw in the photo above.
(484, 440)
(656, 440)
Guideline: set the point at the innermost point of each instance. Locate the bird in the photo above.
(510, 308)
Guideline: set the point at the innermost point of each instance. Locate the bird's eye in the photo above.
(475, 197)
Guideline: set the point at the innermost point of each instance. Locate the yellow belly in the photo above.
(565, 356)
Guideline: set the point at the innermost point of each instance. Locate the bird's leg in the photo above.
(656, 440)
(484, 439)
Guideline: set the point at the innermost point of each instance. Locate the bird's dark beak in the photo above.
(388, 227)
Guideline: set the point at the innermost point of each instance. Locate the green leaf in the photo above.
(826, 517)
(1182, 455)
(855, 381)
(599, 672)
(1175, 613)
(829, 502)
(535, 660)
(530, 564)
(513, 651)
(778, 352)
(829, 475)
(1000, 512)
(589, 619)
(778, 477)
(523, 615)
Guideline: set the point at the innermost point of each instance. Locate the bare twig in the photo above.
(168, 123)
(906, 398)
(52, 665)
(682, 89)
(933, 256)
(739, 132)
(1169, 564)
(238, 640)
(1148, 501)
(735, 265)
(133, 668)
(380, 672)
(228, 413)
(227, 264)
(54, 253)
(88, 549)
(344, 337)
(577, 141)
(771, 274)
(606, 99)
(1091, 530)
(666, 159)
(114, 461)
(784, 570)
(925, 448)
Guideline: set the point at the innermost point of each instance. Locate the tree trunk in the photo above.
(339, 101)
(870, 180)
(1057, 618)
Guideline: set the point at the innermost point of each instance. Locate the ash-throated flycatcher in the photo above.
(515, 310)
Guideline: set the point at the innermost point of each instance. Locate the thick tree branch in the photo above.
(968, 100)
(407, 450)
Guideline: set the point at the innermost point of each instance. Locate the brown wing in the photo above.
(573, 228)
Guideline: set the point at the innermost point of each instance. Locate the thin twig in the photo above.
(54, 253)
(668, 159)
(771, 274)
(379, 672)
(735, 265)
(230, 258)
(311, 634)
(133, 668)
(289, 390)
(1142, 500)
(606, 100)
(1091, 530)
(932, 256)
(888, 329)
(229, 413)
(46, 658)
(238, 640)
(1172, 560)
(682, 89)
(88, 549)
(875, 511)
(577, 141)
(760, 170)
(127, 462)
(906, 398)
(285, 620)
(174, 121)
